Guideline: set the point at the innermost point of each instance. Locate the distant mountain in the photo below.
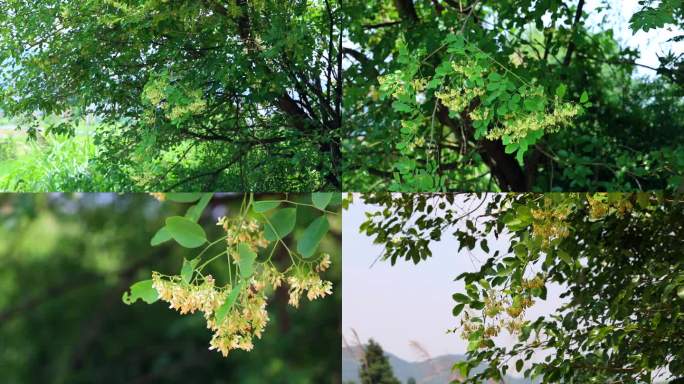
(434, 371)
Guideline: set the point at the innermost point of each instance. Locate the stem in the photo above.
(210, 260)
(210, 245)
(307, 205)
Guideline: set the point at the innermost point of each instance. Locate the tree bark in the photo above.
(503, 166)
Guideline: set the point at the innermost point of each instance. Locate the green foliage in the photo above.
(508, 95)
(193, 95)
(376, 369)
(235, 309)
(142, 290)
(280, 224)
(54, 162)
(185, 232)
(653, 17)
(313, 234)
(617, 256)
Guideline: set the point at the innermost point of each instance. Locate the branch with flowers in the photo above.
(235, 310)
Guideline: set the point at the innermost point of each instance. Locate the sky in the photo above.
(650, 44)
(395, 305)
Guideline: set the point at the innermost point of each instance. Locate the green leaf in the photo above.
(560, 91)
(188, 269)
(161, 236)
(461, 298)
(246, 262)
(142, 290)
(519, 365)
(463, 368)
(186, 232)
(584, 97)
(473, 345)
(265, 205)
(401, 107)
(565, 257)
(183, 197)
(680, 292)
(321, 199)
(457, 309)
(281, 224)
(223, 310)
(195, 212)
(313, 234)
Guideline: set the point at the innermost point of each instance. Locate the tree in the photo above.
(508, 95)
(193, 95)
(619, 256)
(375, 368)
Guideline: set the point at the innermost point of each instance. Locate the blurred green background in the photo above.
(65, 261)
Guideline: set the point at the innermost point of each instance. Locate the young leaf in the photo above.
(246, 262)
(283, 222)
(188, 269)
(265, 205)
(560, 91)
(161, 236)
(223, 310)
(584, 97)
(321, 199)
(142, 290)
(195, 212)
(565, 257)
(186, 232)
(183, 197)
(461, 298)
(313, 234)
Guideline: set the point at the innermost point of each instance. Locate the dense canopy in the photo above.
(362, 95)
(193, 95)
(510, 95)
(617, 258)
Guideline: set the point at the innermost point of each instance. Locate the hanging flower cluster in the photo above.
(235, 310)
(236, 313)
(549, 223)
(501, 310)
(242, 230)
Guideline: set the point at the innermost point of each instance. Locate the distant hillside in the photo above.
(434, 371)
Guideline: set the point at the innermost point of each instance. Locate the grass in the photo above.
(50, 163)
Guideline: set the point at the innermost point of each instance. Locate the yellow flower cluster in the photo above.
(458, 99)
(324, 264)
(549, 224)
(310, 283)
(189, 298)
(517, 128)
(156, 93)
(196, 106)
(247, 317)
(245, 320)
(500, 311)
(242, 230)
(600, 207)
